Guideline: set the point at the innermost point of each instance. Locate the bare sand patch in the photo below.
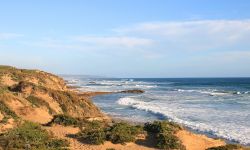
(7, 80)
(197, 141)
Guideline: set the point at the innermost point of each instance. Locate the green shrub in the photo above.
(7, 112)
(96, 132)
(55, 143)
(3, 89)
(165, 134)
(169, 141)
(38, 102)
(161, 126)
(93, 133)
(135, 130)
(31, 136)
(64, 120)
(226, 147)
(122, 133)
(2, 67)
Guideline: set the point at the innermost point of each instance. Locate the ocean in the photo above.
(215, 106)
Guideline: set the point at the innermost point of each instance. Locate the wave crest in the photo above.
(170, 115)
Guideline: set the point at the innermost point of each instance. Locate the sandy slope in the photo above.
(196, 141)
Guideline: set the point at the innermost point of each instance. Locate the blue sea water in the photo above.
(217, 106)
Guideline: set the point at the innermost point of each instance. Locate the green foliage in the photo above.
(2, 67)
(31, 136)
(165, 134)
(28, 71)
(65, 99)
(64, 120)
(7, 112)
(96, 132)
(93, 133)
(55, 143)
(3, 89)
(161, 126)
(168, 141)
(226, 147)
(135, 130)
(122, 133)
(38, 102)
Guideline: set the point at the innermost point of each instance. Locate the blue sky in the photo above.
(129, 38)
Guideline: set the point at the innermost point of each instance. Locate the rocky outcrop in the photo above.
(134, 91)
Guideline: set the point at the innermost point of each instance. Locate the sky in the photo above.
(129, 38)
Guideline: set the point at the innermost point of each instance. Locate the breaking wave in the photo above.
(220, 130)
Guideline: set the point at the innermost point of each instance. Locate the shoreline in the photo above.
(43, 98)
(188, 136)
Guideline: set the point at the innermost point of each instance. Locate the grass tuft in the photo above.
(38, 102)
(8, 113)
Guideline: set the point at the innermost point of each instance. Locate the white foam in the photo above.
(228, 131)
(211, 92)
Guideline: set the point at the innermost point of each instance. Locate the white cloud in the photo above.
(193, 35)
(6, 36)
(114, 41)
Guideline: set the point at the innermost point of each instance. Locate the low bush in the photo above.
(31, 136)
(161, 126)
(226, 147)
(7, 112)
(122, 133)
(3, 89)
(169, 141)
(93, 133)
(55, 143)
(97, 132)
(165, 134)
(64, 120)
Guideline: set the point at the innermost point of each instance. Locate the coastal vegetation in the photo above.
(30, 135)
(97, 133)
(7, 112)
(122, 133)
(38, 102)
(229, 147)
(64, 120)
(93, 133)
(165, 134)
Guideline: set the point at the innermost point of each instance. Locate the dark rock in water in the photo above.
(135, 91)
(92, 82)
